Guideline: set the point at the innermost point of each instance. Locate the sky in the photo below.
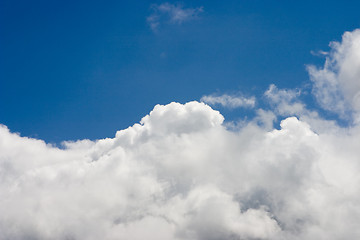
(85, 69)
(193, 120)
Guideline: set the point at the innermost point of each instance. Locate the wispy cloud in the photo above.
(285, 101)
(229, 101)
(337, 84)
(319, 53)
(171, 14)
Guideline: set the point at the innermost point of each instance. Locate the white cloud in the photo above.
(181, 175)
(171, 14)
(337, 84)
(285, 101)
(319, 53)
(229, 101)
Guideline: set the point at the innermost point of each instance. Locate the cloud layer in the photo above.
(181, 174)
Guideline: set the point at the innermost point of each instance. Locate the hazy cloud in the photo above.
(229, 101)
(171, 14)
(319, 53)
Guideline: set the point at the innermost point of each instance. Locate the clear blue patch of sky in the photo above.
(84, 69)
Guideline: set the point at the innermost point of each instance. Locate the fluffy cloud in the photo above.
(181, 174)
(285, 101)
(171, 14)
(229, 101)
(337, 83)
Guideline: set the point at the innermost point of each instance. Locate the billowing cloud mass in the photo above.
(337, 84)
(181, 174)
(171, 14)
(229, 101)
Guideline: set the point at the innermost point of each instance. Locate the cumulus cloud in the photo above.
(337, 83)
(171, 14)
(229, 101)
(181, 174)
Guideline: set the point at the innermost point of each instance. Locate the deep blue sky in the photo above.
(84, 69)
